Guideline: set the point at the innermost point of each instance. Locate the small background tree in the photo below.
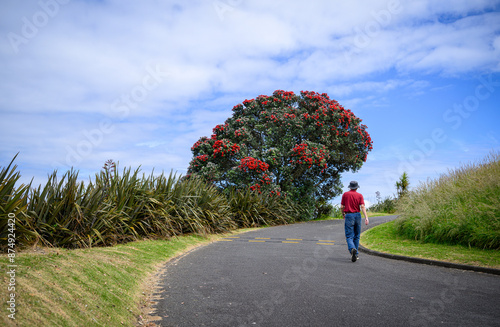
(284, 144)
(402, 185)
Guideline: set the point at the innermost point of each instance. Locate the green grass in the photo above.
(378, 214)
(370, 214)
(327, 218)
(385, 238)
(88, 287)
(461, 207)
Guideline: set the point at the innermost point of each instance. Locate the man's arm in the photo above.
(363, 208)
(342, 210)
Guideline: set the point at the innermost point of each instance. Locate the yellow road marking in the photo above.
(288, 240)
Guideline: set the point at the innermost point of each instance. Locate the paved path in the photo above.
(302, 275)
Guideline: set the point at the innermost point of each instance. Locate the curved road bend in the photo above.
(302, 275)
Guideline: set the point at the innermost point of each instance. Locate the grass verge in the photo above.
(378, 214)
(384, 238)
(370, 214)
(87, 287)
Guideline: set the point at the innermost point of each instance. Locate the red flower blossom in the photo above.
(249, 163)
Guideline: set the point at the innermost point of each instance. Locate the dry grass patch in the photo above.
(90, 287)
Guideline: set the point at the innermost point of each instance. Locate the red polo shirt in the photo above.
(352, 201)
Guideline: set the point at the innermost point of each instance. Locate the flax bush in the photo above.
(117, 207)
(13, 201)
(251, 209)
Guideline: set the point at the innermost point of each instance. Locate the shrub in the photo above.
(388, 205)
(323, 209)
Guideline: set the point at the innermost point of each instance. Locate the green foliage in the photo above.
(252, 209)
(388, 205)
(461, 207)
(324, 209)
(336, 212)
(120, 207)
(284, 144)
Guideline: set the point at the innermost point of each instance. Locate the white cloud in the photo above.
(83, 64)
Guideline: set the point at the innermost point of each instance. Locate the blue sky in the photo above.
(140, 81)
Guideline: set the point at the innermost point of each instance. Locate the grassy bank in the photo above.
(385, 238)
(461, 207)
(87, 287)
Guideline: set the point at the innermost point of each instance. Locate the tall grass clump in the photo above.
(121, 207)
(253, 209)
(118, 207)
(13, 200)
(461, 207)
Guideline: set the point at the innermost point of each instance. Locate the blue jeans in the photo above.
(352, 227)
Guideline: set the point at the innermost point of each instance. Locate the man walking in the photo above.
(351, 205)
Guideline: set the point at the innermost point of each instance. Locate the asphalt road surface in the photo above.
(302, 275)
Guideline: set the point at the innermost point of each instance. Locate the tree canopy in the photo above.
(284, 144)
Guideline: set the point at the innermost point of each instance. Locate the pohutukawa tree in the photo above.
(284, 144)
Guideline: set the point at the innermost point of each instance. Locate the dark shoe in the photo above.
(354, 256)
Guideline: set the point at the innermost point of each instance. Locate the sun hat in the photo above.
(353, 185)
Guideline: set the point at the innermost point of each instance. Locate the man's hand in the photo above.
(363, 208)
